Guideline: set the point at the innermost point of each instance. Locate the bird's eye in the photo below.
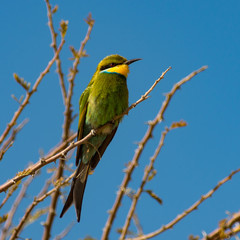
(112, 64)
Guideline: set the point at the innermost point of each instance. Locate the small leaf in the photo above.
(191, 237)
(84, 53)
(3, 218)
(21, 81)
(152, 175)
(13, 96)
(181, 123)
(74, 53)
(54, 10)
(89, 20)
(17, 100)
(131, 233)
(153, 195)
(63, 27)
(89, 238)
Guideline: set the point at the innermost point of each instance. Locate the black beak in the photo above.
(128, 62)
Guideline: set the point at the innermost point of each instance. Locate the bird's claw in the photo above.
(93, 132)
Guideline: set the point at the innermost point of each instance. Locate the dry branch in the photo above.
(15, 205)
(67, 120)
(132, 165)
(30, 93)
(54, 46)
(9, 142)
(179, 217)
(147, 172)
(227, 228)
(17, 230)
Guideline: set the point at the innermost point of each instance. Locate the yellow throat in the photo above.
(120, 69)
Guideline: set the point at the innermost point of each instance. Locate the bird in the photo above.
(105, 97)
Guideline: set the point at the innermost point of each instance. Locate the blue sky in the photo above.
(183, 34)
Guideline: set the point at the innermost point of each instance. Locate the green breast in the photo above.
(108, 98)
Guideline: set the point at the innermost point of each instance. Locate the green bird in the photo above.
(105, 97)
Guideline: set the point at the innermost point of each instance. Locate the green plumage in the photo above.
(105, 97)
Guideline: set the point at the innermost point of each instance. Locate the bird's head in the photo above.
(115, 64)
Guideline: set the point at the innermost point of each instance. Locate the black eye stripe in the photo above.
(109, 66)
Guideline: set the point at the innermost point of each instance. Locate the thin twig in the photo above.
(9, 194)
(189, 210)
(137, 224)
(42, 162)
(19, 227)
(227, 228)
(73, 72)
(9, 142)
(65, 231)
(66, 130)
(132, 165)
(17, 230)
(54, 46)
(23, 221)
(14, 208)
(30, 93)
(147, 171)
(144, 96)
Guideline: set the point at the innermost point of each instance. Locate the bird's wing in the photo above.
(83, 103)
(96, 158)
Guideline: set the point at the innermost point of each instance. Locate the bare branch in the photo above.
(146, 176)
(189, 210)
(14, 208)
(30, 93)
(9, 194)
(144, 96)
(132, 165)
(137, 224)
(174, 89)
(66, 127)
(42, 162)
(65, 231)
(17, 230)
(54, 46)
(227, 228)
(9, 142)
(73, 72)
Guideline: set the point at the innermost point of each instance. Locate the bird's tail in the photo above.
(77, 190)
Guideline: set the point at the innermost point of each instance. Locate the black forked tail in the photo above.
(77, 190)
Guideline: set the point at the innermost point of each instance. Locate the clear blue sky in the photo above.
(183, 34)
